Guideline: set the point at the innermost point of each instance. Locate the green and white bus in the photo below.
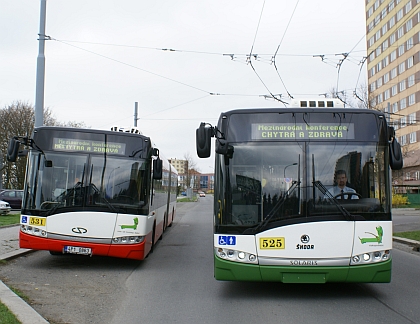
(275, 215)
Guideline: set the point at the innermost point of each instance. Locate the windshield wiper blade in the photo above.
(63, 197)
(275, 209)
(318, 184)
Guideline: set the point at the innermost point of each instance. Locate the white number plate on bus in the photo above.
(77, 250)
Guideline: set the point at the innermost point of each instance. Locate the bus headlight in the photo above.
(236, 256)
(371, 257)
(127, 239)
(33, 230)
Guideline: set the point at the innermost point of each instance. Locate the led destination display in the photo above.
(87, 146)
(320, 131)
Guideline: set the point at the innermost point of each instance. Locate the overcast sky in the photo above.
(183, 61)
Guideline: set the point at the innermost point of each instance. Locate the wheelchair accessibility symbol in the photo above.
(227, 240)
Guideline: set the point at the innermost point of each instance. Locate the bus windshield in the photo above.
(92, 182)
(295, 182)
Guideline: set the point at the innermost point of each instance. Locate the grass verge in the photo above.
(9, 220)
(414, 235)
(6, 316)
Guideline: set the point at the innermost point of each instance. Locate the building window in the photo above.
(384, 45)
(378, 51)
(393, 55)
(372, 86)
(390, 6)
(401, 67)
(378, 35)
(403, 103)
(403, 140)
(409, 43)
(371, 41)
(408, 25)
(386, 77)
(370, 11)
(413, 137)
(401, 50)
(411, 80)
(399, 14)
(400, 32)
(412, 119)
(410, 62)
(408, 7)
(392, 22)
(392, 39)
(402, 85)
(372, 71)
(393, 72)
(386, 94)
(394, 90)
(411, 99)
(395, 107)
(403, 122)
(379, 82)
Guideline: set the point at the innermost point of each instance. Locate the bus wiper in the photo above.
(318, 184)
(60, 199)
(275, 209)
(109, 205)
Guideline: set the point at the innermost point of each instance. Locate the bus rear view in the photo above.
(302, 195)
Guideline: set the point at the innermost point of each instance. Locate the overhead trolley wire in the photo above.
(278, 47)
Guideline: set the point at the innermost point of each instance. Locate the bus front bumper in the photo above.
(234, 271)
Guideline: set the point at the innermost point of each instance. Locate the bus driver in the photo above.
(341, 191)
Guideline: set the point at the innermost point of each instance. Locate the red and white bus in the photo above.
(94, 192)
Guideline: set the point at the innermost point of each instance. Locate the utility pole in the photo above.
(40, 68)
(136, 108)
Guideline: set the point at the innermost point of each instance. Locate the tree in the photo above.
(18, 119)
(191, 171)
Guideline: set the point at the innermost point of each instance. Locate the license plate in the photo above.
(37, 221)
(272, 243)
(77, 250)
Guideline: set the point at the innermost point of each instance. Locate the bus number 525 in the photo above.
(272, 243)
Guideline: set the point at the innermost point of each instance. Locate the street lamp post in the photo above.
(284, 170)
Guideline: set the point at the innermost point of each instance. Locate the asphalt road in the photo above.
(175, 285)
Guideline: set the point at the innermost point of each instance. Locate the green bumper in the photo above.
(234, 271)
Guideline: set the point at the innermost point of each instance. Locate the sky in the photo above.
(183, 61)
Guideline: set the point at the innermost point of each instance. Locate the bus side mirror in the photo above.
(203, 136)
(12, 150)
(395, 155)
(157, 169)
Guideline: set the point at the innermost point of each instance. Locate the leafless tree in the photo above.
(191, 171)
(18, 119)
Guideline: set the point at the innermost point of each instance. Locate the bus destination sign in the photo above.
(87, 146)
(320, 131)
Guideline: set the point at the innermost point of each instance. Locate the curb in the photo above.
(23, 312)
(413, 243)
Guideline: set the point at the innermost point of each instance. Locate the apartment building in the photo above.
(393, 63)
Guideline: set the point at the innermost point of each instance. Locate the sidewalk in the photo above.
(9, 249)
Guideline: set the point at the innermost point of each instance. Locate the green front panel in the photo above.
(233, 271)
(380, 272)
